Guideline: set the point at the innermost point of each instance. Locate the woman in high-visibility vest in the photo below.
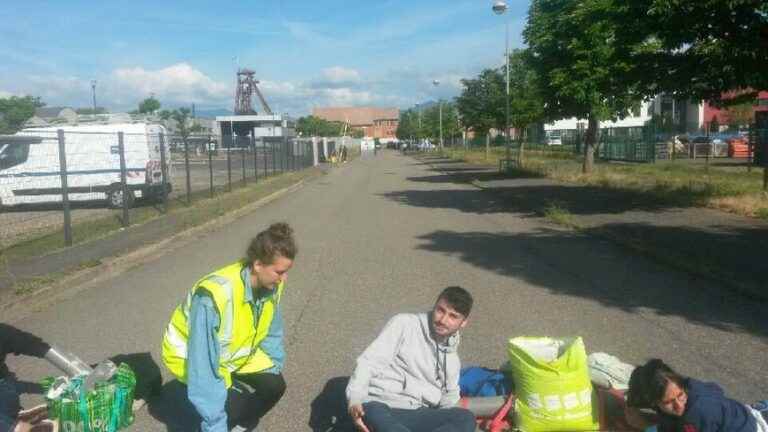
(228, 331)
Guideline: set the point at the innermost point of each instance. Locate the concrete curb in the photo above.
(80, 280)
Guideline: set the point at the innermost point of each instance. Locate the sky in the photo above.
(305, 53)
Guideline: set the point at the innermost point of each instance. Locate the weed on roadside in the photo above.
(558, 214)
(27, 286)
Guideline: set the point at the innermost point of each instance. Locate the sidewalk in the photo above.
(707, 243)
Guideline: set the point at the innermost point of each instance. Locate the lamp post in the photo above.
(499, 8)
(93, 93)
(440, 109)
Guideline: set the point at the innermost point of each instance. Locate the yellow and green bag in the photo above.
(552, 383)
(106, 408)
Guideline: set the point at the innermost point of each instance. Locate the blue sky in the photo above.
(306, 53)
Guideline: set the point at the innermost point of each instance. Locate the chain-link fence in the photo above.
(52, 178)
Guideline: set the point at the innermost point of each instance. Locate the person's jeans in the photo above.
(9, 403)
(381, 418)
(246, 406)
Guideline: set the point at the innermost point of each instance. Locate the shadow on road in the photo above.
(529, 196)
(556, 260)
(329, 409)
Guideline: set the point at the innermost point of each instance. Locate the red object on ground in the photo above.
(610, 410)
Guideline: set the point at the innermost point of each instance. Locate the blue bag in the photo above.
(479, 381)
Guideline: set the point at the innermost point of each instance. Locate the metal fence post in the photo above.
(64, 189)
(210, 163)
(264, 154)
(242, 156)
(229, 163)
(186, 168)
(123, 178)
(255, 159)
(164, 170)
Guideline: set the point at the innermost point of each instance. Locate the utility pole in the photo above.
(93, 93)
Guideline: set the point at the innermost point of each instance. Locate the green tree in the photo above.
(481, 102)
(526, 106)
(408, 125)
(14, 111)
(581, 63)
(696, 49)
(181, 117)
(315, 126)
(149, 105)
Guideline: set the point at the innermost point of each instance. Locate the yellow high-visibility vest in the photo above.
(239, 332)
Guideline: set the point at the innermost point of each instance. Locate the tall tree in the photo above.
(14, 111)
(700, 49)
(181, 117)
(581, 63)
(525, 103)
(149, 105)
(481, 102)
(315, 126)
(408, 125)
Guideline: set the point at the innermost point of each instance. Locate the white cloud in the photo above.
(338, 74)
(175, 84)
(5, 94)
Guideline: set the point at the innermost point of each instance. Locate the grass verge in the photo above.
(181, 215)
(720, 185)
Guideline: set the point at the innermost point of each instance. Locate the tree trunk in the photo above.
(589, 145)
(487, 146)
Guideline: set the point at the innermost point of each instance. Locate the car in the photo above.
(554, 139)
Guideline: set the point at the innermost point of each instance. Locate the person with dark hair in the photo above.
(16, 341)
(225, 340)
(408, 378)
(685, 404)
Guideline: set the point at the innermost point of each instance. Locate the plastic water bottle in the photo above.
(104, 372)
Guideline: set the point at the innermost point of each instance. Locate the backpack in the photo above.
(477, 381)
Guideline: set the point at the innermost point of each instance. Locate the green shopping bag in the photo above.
(554, 392)
(106, 408)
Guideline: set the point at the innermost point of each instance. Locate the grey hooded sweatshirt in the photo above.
(406, 368)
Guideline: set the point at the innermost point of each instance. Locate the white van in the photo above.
(30, 173)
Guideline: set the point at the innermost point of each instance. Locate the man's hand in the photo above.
(357, 413)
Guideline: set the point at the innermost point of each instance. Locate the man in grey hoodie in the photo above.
(408, 378)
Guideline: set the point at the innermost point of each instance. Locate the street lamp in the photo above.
(93, 93)
(499, 8)
(440, 104)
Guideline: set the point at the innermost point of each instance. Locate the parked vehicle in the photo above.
(30, 167)
(554, 138)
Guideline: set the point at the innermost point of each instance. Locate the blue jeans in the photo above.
(381, 418)
(9, 404)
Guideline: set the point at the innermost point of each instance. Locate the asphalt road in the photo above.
(384, 235)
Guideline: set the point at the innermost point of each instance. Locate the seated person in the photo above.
(16, 341)
(686, 404)
(408, 378)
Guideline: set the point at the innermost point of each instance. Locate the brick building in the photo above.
(373, 121)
